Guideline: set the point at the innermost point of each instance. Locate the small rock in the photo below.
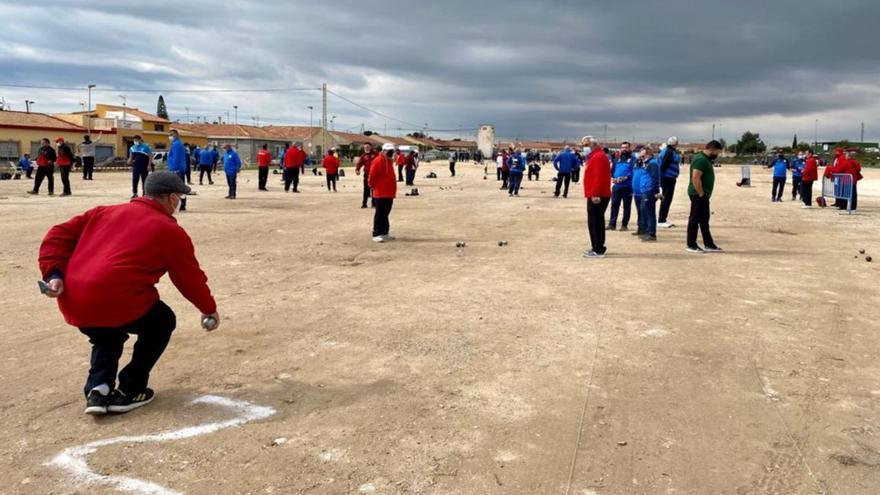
(279, 441)
(621, 443)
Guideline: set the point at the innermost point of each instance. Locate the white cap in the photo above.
(587, 140)
(388, 147)
(673, 141)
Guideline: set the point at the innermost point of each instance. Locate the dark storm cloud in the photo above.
(556, 68)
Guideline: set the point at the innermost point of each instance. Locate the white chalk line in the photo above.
(74, 459)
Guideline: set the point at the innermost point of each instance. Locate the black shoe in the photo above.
(649, 238)
(624, 228)
(65, 194)
(639, 232)
(96, 404)
(121, 403)
(363, 206)
(33, 192)
(611, 227)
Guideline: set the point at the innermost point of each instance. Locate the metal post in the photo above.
(235, 111)
(324, 119)
(90, 109)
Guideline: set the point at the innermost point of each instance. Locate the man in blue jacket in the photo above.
(622, 189)
(780, 168)
(517, 163)
(564, 163)
(231, 166)
(206, 165)
(670, 164)
(140, 159)
(649, 191)
(215, 156)
(797, 173)
(25, 165)
(177, 161)
(638, 172)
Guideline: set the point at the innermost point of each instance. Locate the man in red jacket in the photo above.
(64, 162)
(331, 169)
(294, 160)
(264, 159)
(364, 163)
(810, 175)
(45, 167)
(103, 266)
(383, 182)
(597, 190)
(844, 163)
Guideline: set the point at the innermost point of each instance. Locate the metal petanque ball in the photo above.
(209, 323)
(868, 259)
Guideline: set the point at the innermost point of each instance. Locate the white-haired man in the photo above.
(597, 191)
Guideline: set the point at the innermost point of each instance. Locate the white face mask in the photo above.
(171, 138)
(587, 150)
(137, 143)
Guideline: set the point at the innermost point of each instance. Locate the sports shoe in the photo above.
(807, 207)
(611, 227)
(121, 403)
(389, 237)
(379, 239)
(666, 225)
(638, 232)
(624, 229)
(32, 192)
(649, 238)
(96, 404)
(695, 249)
(593, 254)
(713, 249)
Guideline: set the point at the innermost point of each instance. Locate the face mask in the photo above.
(137, 143)
(179, 204)
(171, 138)
(587, 150)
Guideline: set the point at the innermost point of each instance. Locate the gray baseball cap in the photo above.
(160, 183)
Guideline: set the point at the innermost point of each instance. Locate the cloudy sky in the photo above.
(645, 69)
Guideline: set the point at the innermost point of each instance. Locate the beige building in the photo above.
(21, 132)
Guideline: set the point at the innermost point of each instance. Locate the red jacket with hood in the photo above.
(112, 257)
(383, 178)
(597, 175)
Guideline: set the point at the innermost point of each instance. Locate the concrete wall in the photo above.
(28, 140)
(486, 140)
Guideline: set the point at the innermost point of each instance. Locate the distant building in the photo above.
(21, 132)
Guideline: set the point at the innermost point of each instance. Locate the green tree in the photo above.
(161, 110)
(794, 144)
(749, 144)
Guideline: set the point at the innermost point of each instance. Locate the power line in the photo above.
(131, 90)
(374, 111)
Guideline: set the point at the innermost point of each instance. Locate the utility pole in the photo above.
(311, 113)
(605, 134)
(713, 132)
(27, 105)
(90, 109)
(816, 136)
(187, 113)
(323, 120)
(124, 112)
(862, 138)
(235, 111)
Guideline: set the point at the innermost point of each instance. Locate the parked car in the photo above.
(160, 156)
(434, 155)
(114, 162)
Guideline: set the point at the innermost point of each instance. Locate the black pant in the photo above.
(618, 196)
(153, 331)
(452, 168)
(596, 224)
(232, 182)
(505, 176)
(498, 174)
(807, 192)
(262, 177)
(49, 174)
(331, 179)
(400, 173)
(576, 175)
(65, 178)
(536, 171)
(560, 178)
(88, 167)
(367, 191)
(189, 174)
(182, 176)
(291, 176)
(28, 172)
(381, 226)
(699, 220)
(795, 187)
(778, 188)
(667, 184)
(205, 169)
(410, 177)
(138, 174)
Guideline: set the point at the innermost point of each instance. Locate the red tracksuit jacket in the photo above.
(112, 257)
(597, 176)
(331, 164)
(383, 178)
(364, 162)
(294, 158)
(811, 171)
(264, 158)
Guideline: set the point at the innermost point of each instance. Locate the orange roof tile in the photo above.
(36, 121)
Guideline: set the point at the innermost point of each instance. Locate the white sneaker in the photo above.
(807, 207)
(666, 225)
(695, 250)
(379, 239)
(389, 237)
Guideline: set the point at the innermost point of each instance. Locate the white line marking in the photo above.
(73, 459)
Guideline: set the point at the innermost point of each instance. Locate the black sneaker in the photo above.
(121, 403)
(639, 233)
(611, 227)
(713, 249)
(649, 238)
(96, 404)
(695, 249)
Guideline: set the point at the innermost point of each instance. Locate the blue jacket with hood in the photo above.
(670, 163)
(566, 162)
(649, 182)
(231, 162)
(177, 157)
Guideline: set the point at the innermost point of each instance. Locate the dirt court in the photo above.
(417, 367)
